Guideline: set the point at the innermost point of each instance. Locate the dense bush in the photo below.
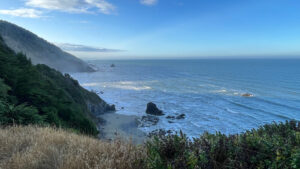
(270, 146)
(40, 95)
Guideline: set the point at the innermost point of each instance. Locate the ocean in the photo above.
(208, 91)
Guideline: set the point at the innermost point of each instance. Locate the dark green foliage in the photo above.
(3, 89)
(21, 114)
(271, 146)
(172, 151)
(41, 95)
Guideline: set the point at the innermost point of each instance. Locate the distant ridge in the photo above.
(39, 50)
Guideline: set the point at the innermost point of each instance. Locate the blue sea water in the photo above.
(207, 91)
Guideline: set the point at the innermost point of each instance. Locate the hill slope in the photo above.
(41, 95)
(39, 50)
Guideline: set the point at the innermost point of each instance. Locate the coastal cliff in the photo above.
(93, 103)
(38, 94)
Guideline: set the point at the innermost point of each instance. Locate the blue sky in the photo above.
(163, 28)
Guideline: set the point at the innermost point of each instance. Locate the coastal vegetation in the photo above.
(270, 146)
(37, 94)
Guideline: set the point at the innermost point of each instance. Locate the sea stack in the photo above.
(247, 95)
(153, 110)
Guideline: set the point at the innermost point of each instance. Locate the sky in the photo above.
(138, 29)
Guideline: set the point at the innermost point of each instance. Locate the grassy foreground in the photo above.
(271, 146)
(48, 148)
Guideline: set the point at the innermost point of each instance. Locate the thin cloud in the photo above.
(73, 6)
(148, 2)
(82, 48)
(23, 12)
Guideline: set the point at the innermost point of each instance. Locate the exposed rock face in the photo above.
(153, 110)
(39, 50)
(99, 107)
(111, 108)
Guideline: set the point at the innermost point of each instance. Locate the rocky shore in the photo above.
(116, 126)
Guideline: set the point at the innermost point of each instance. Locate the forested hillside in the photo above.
(41, 95)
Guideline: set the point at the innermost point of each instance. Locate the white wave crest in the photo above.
(127, 85)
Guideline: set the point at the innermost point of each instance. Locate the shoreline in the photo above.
(118, 126)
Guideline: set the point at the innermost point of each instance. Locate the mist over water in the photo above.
(207, 91)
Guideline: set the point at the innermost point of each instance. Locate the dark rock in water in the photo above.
(112, 65)
(171, 121)
(101, 92)
(181, 116)
(149, 120)
(122, 108)
(171, 117)
(247, 95)
(153, 110)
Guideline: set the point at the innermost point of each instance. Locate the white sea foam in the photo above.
(220, 91)
(126, 85)
(90, 84)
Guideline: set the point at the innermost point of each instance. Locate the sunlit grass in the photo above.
(32, 147)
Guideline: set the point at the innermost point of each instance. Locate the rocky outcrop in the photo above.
(159, 133)
(181, 116)
(99, 108)
(110, 108)
(153, 110)
(247, 95)
(149, 120)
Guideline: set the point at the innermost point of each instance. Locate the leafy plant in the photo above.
(270, 146)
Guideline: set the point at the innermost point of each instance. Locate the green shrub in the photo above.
(172, 151)
(21, 114)
(270, 146)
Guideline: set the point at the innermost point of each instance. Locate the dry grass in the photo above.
(32, 147)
